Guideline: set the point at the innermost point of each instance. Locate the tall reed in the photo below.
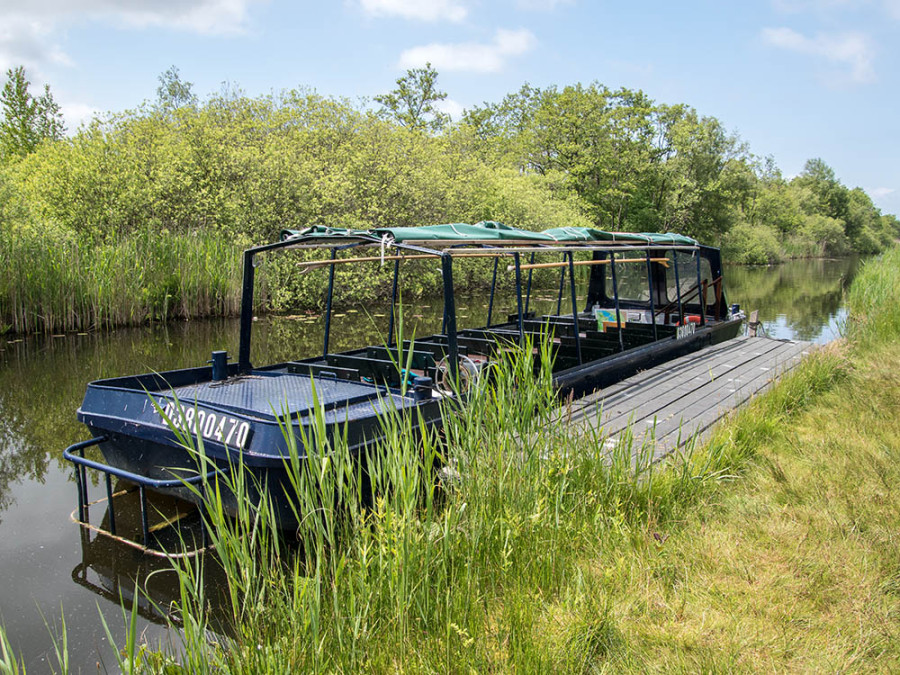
(53, 282)
(874, 300)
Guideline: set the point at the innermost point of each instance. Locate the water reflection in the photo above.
(113, 569)
(800, 300)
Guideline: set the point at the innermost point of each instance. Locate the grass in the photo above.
(771, 547)
(59, 283)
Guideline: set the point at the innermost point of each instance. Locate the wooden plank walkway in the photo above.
(670, 403)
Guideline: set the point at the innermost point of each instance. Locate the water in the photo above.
(47, 567)
(800, 300)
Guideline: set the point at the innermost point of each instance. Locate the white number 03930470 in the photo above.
(212, 426)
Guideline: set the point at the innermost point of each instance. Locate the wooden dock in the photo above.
(669, 404)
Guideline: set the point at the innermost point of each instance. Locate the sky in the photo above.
(795, 79)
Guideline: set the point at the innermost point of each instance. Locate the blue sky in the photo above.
(794, 78)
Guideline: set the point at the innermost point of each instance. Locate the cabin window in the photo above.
(631, 278)
(687, 274)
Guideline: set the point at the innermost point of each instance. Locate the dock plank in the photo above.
(670, 404)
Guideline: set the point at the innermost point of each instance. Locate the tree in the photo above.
(173, 92)
(833, 197)
(27, 121)
(412, 103)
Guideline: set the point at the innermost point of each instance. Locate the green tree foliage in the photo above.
(413, 102)
(26, 120)
(237, 168)
(173, 92)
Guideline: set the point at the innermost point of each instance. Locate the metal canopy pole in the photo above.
(678, 287)
(246, 313)
(393, 301)
(652, 304)
(450, 315)
(519, 298)
(493, 288)
(575, 307)
(528, 294)
(612, 267)
(562, 283)
(701, 296)
(328, 303)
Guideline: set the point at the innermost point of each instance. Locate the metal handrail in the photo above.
(143, 482)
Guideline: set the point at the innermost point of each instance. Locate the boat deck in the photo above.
(670, 404)
(273, 392)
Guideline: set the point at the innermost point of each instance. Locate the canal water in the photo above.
(48, 569)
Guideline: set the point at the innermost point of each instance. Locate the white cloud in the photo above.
(77, 114)
(29, 32)
(542, 5)
(890, 7)
(470, 56)
(423, 10)
(816, 5)
(850, 49)
(450, 107)
(200, 16)
(30, 43)
(880, 192)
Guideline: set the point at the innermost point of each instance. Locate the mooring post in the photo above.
(328, 303)
(111, 508)
(678, 288)
(519, 298)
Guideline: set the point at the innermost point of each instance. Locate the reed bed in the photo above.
(54, 282)
(874, 301)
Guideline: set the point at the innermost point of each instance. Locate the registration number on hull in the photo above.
(211, 426)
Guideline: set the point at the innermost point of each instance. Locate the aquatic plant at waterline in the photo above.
(57, 282)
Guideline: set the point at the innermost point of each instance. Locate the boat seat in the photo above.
(376, 369)
(421, 359)
(324, 370)
(590, 348)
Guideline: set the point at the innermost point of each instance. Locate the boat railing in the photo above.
(75, 454)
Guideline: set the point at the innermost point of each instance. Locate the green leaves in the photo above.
(413, 102)
(26, 120)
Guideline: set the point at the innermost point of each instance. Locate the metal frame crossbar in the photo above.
(82, 463)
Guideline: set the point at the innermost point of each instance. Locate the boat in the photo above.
(649, 298)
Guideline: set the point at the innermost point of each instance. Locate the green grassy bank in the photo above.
(772, 547)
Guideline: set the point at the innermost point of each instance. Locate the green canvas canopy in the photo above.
(491, 231)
